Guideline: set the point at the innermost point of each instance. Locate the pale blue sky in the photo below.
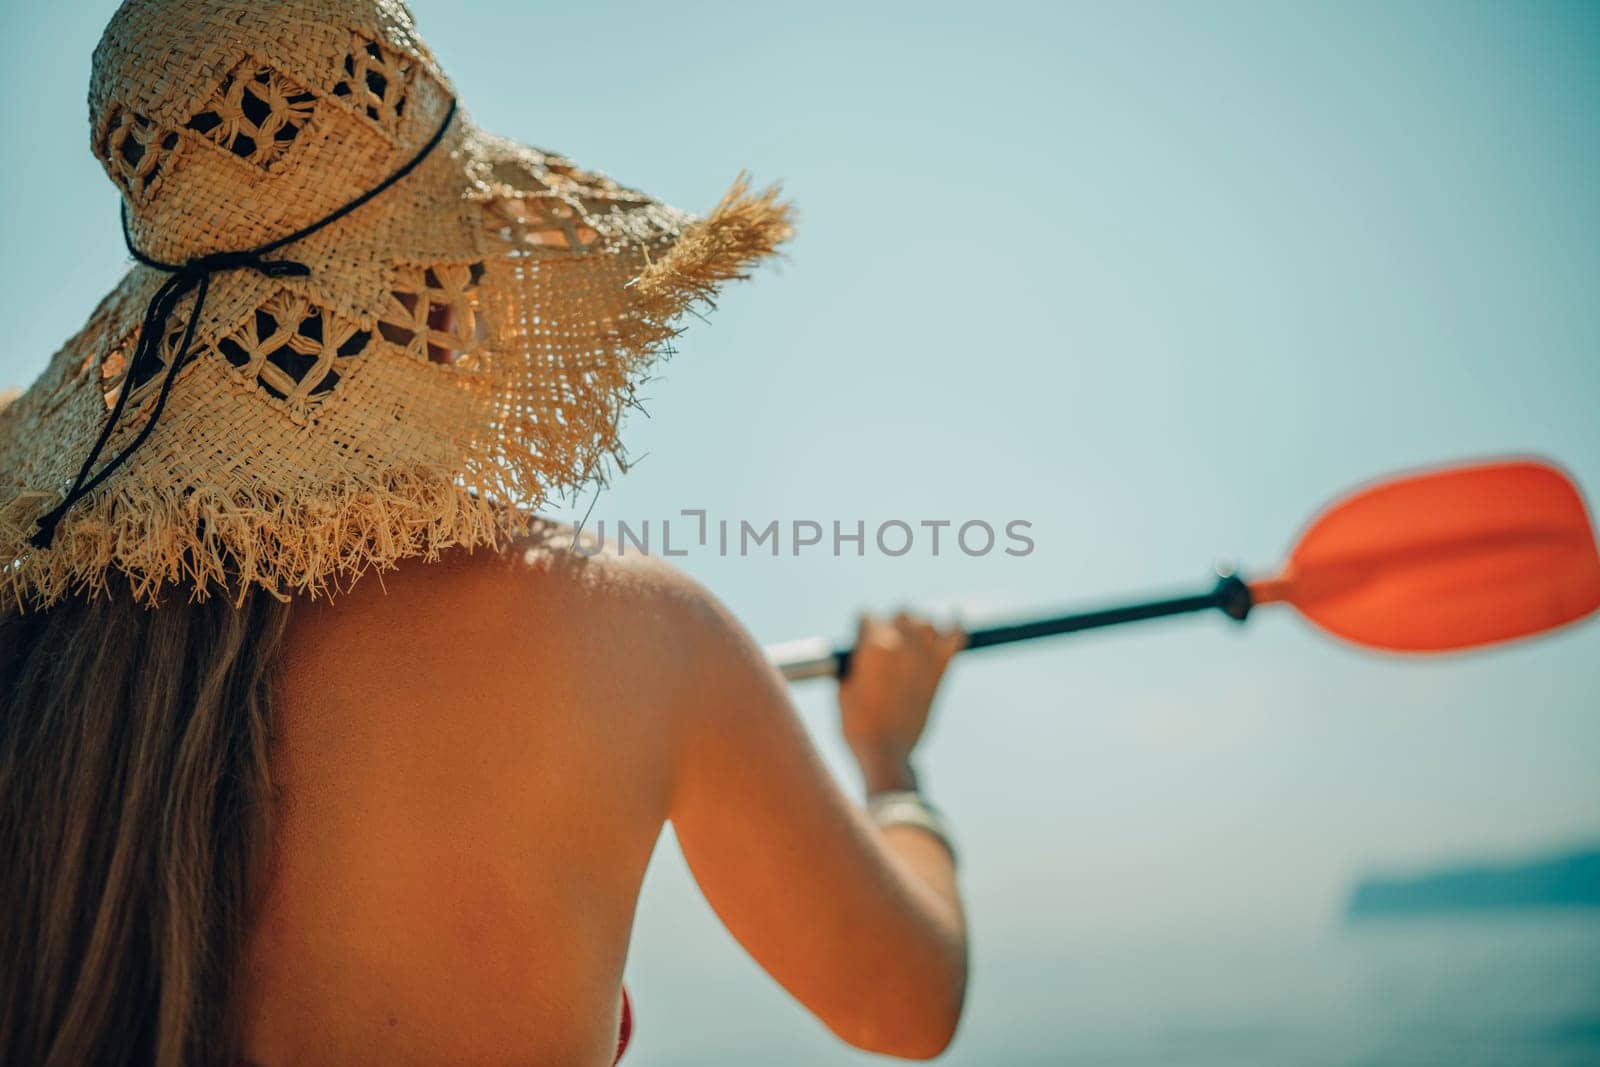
(1159, 278)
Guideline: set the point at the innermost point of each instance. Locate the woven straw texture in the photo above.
(461, 351)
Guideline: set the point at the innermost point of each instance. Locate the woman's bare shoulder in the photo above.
(541, 591)
(546, 561)
(551, 565)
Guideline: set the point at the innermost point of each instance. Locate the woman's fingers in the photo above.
(877, 632)
(911, 632)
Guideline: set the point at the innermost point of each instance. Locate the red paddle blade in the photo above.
(1447, 559)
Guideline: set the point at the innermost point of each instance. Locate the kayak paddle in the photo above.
(1427, 562)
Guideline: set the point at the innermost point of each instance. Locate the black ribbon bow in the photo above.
(194, 276)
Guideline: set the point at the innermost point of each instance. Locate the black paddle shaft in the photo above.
(1231, 596)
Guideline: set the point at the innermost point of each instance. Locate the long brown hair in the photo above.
(134, 808)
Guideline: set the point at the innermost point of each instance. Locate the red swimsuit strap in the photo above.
(625, 1031)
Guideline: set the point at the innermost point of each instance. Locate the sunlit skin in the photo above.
(474, 760)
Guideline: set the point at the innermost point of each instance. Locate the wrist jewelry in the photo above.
(908, 807)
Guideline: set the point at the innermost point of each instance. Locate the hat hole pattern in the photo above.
(294, 349)
(536, 223)
(285, 345)
(256, 113)
(432, 312)
(136, 148)
(376, 81)
(116, 374)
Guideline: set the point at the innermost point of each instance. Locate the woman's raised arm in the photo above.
(862, 925)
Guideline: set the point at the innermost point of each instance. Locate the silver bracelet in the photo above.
(908, 807)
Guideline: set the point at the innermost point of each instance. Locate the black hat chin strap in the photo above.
(194, 276)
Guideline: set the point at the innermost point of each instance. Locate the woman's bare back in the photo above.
(472, 763)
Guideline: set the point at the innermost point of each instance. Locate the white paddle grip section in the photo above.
(808, 658)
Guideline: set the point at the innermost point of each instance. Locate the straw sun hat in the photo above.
(358, 328)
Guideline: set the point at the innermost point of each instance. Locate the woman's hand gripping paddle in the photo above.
(1429, 562)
